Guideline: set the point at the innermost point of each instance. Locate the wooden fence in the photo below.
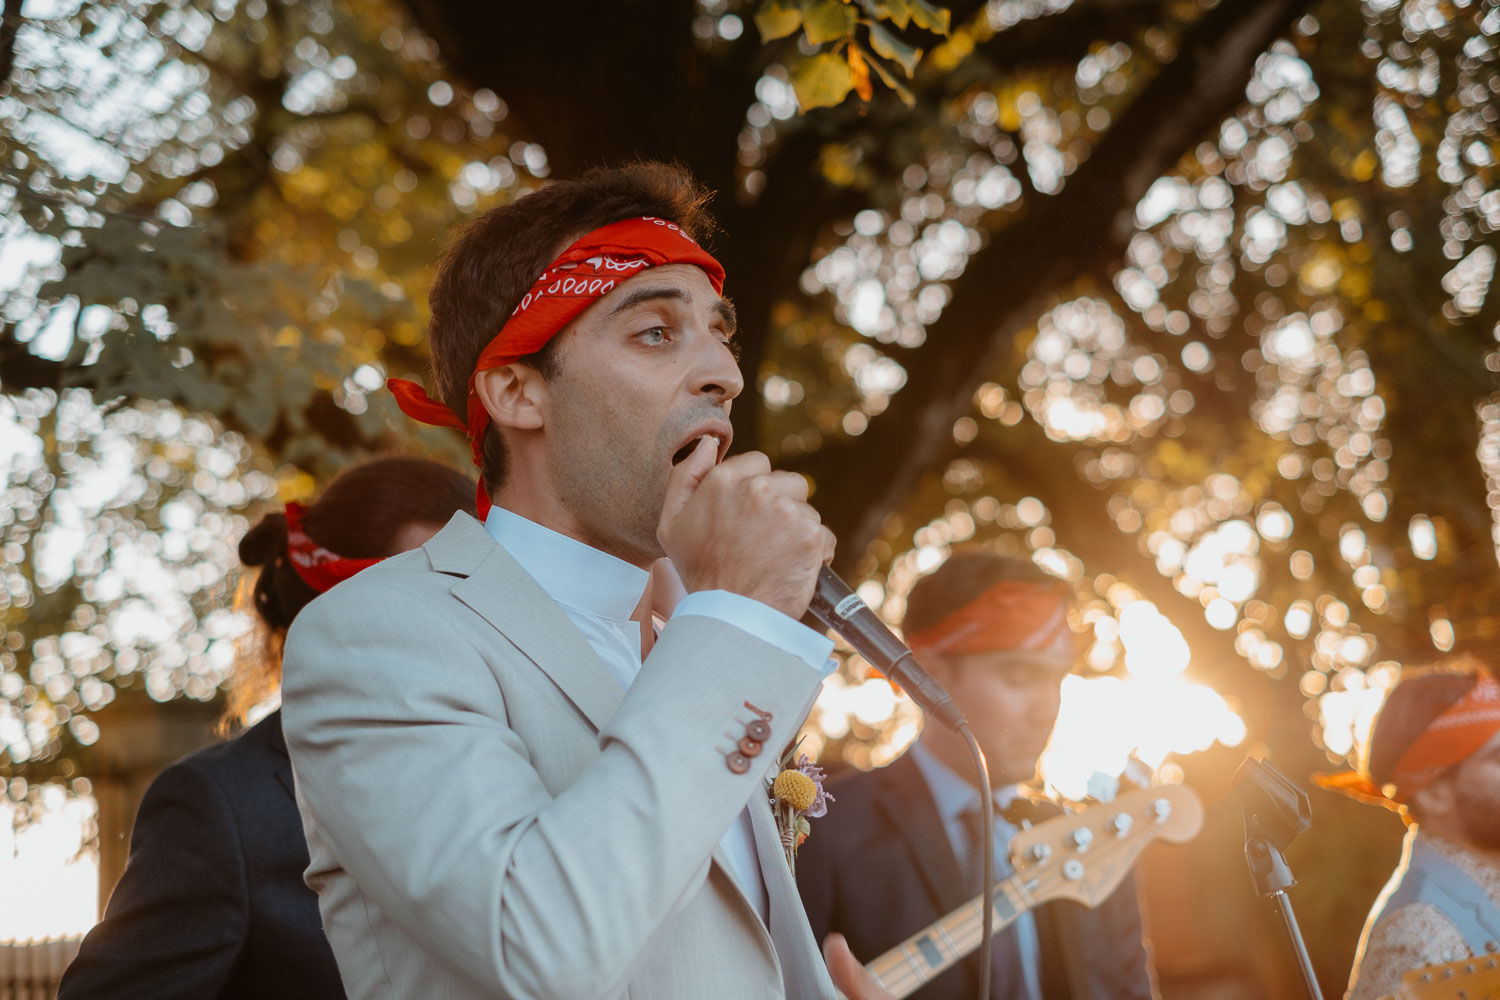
(31, 970)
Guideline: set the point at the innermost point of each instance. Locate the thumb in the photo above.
(666, 588)
(846, 972)
(687, 475)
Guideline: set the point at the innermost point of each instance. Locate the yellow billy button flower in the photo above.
(795, 789)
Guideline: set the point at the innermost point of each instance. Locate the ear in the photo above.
(514, 395)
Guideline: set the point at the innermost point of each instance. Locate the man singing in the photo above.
(1433, 757)
(511, 784)
(900, 846)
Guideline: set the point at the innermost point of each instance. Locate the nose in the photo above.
(717, 373)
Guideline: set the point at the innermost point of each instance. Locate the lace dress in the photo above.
(1409, 937)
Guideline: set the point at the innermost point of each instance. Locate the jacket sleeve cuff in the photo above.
(763, 622)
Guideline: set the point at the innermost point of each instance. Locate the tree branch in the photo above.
(1069, 35)
(1081, 231)
(10, 26)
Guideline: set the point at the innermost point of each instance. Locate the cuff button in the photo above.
(759, 730)
(750, 747)
(738, 762)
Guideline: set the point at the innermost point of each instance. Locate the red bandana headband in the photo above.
(581, 274)
(319, 568)
(1013, 614)
(1459, 733)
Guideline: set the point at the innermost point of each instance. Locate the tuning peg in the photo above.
(1040, 852)
(1121, 824)
(1081, 838)
(1103, 787)
(1073, 870)
(1138, 772)
(1159, 810)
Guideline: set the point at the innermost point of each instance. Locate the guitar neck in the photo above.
(914, 962)
(1477, 977)
(1082, 857)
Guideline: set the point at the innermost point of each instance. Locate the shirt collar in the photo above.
(952, 793)
(572, 573)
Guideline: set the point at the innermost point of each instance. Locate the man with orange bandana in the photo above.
(899, 848)
(1434, 758)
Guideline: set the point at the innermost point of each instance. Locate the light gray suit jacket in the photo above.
(490, 816)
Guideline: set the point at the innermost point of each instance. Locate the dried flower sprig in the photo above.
(797, 795)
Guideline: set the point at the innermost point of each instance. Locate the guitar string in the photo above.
(905, 968)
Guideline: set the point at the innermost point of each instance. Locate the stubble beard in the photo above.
(610, 495)
(613, 505)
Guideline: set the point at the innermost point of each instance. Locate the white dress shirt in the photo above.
(954, 796)
(598, 593)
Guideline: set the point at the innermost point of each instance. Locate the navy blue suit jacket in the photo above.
(879, 867)
(212, 902)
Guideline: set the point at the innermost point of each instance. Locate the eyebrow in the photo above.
(641, 295)
(723, 308)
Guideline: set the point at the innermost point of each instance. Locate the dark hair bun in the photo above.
(265, 541)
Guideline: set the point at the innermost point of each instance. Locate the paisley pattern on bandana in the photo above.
(580, 276)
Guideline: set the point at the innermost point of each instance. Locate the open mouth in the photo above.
(687, 449)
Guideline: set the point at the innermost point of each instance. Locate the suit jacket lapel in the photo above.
(802, 968)
(496, 588)
(907, 807)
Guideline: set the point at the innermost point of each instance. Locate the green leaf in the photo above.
(828, 20)
(776, 19)
(891, 47)
(821, 81)
(926, 15)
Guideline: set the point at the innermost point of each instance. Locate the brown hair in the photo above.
(495, 259)
(964, 576)
(1418, 698)
(358, 516)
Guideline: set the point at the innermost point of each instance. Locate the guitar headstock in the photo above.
(1475, 978)
(1085, 856)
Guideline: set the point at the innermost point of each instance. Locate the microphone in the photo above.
(840, 609)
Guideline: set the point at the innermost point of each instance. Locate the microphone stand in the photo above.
(835, 606)
(1276, 812)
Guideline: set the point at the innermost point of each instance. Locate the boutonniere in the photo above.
(797, 795)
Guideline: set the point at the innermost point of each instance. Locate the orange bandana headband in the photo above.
(1459, 733)
(581, 274)
(319, 568)
(1013, 614)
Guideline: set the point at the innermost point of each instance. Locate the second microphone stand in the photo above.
(1276, 812)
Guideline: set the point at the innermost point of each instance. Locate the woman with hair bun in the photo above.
(212, 902)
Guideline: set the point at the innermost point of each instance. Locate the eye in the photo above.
(654, 336)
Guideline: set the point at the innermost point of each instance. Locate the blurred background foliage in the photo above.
(1189, 302)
